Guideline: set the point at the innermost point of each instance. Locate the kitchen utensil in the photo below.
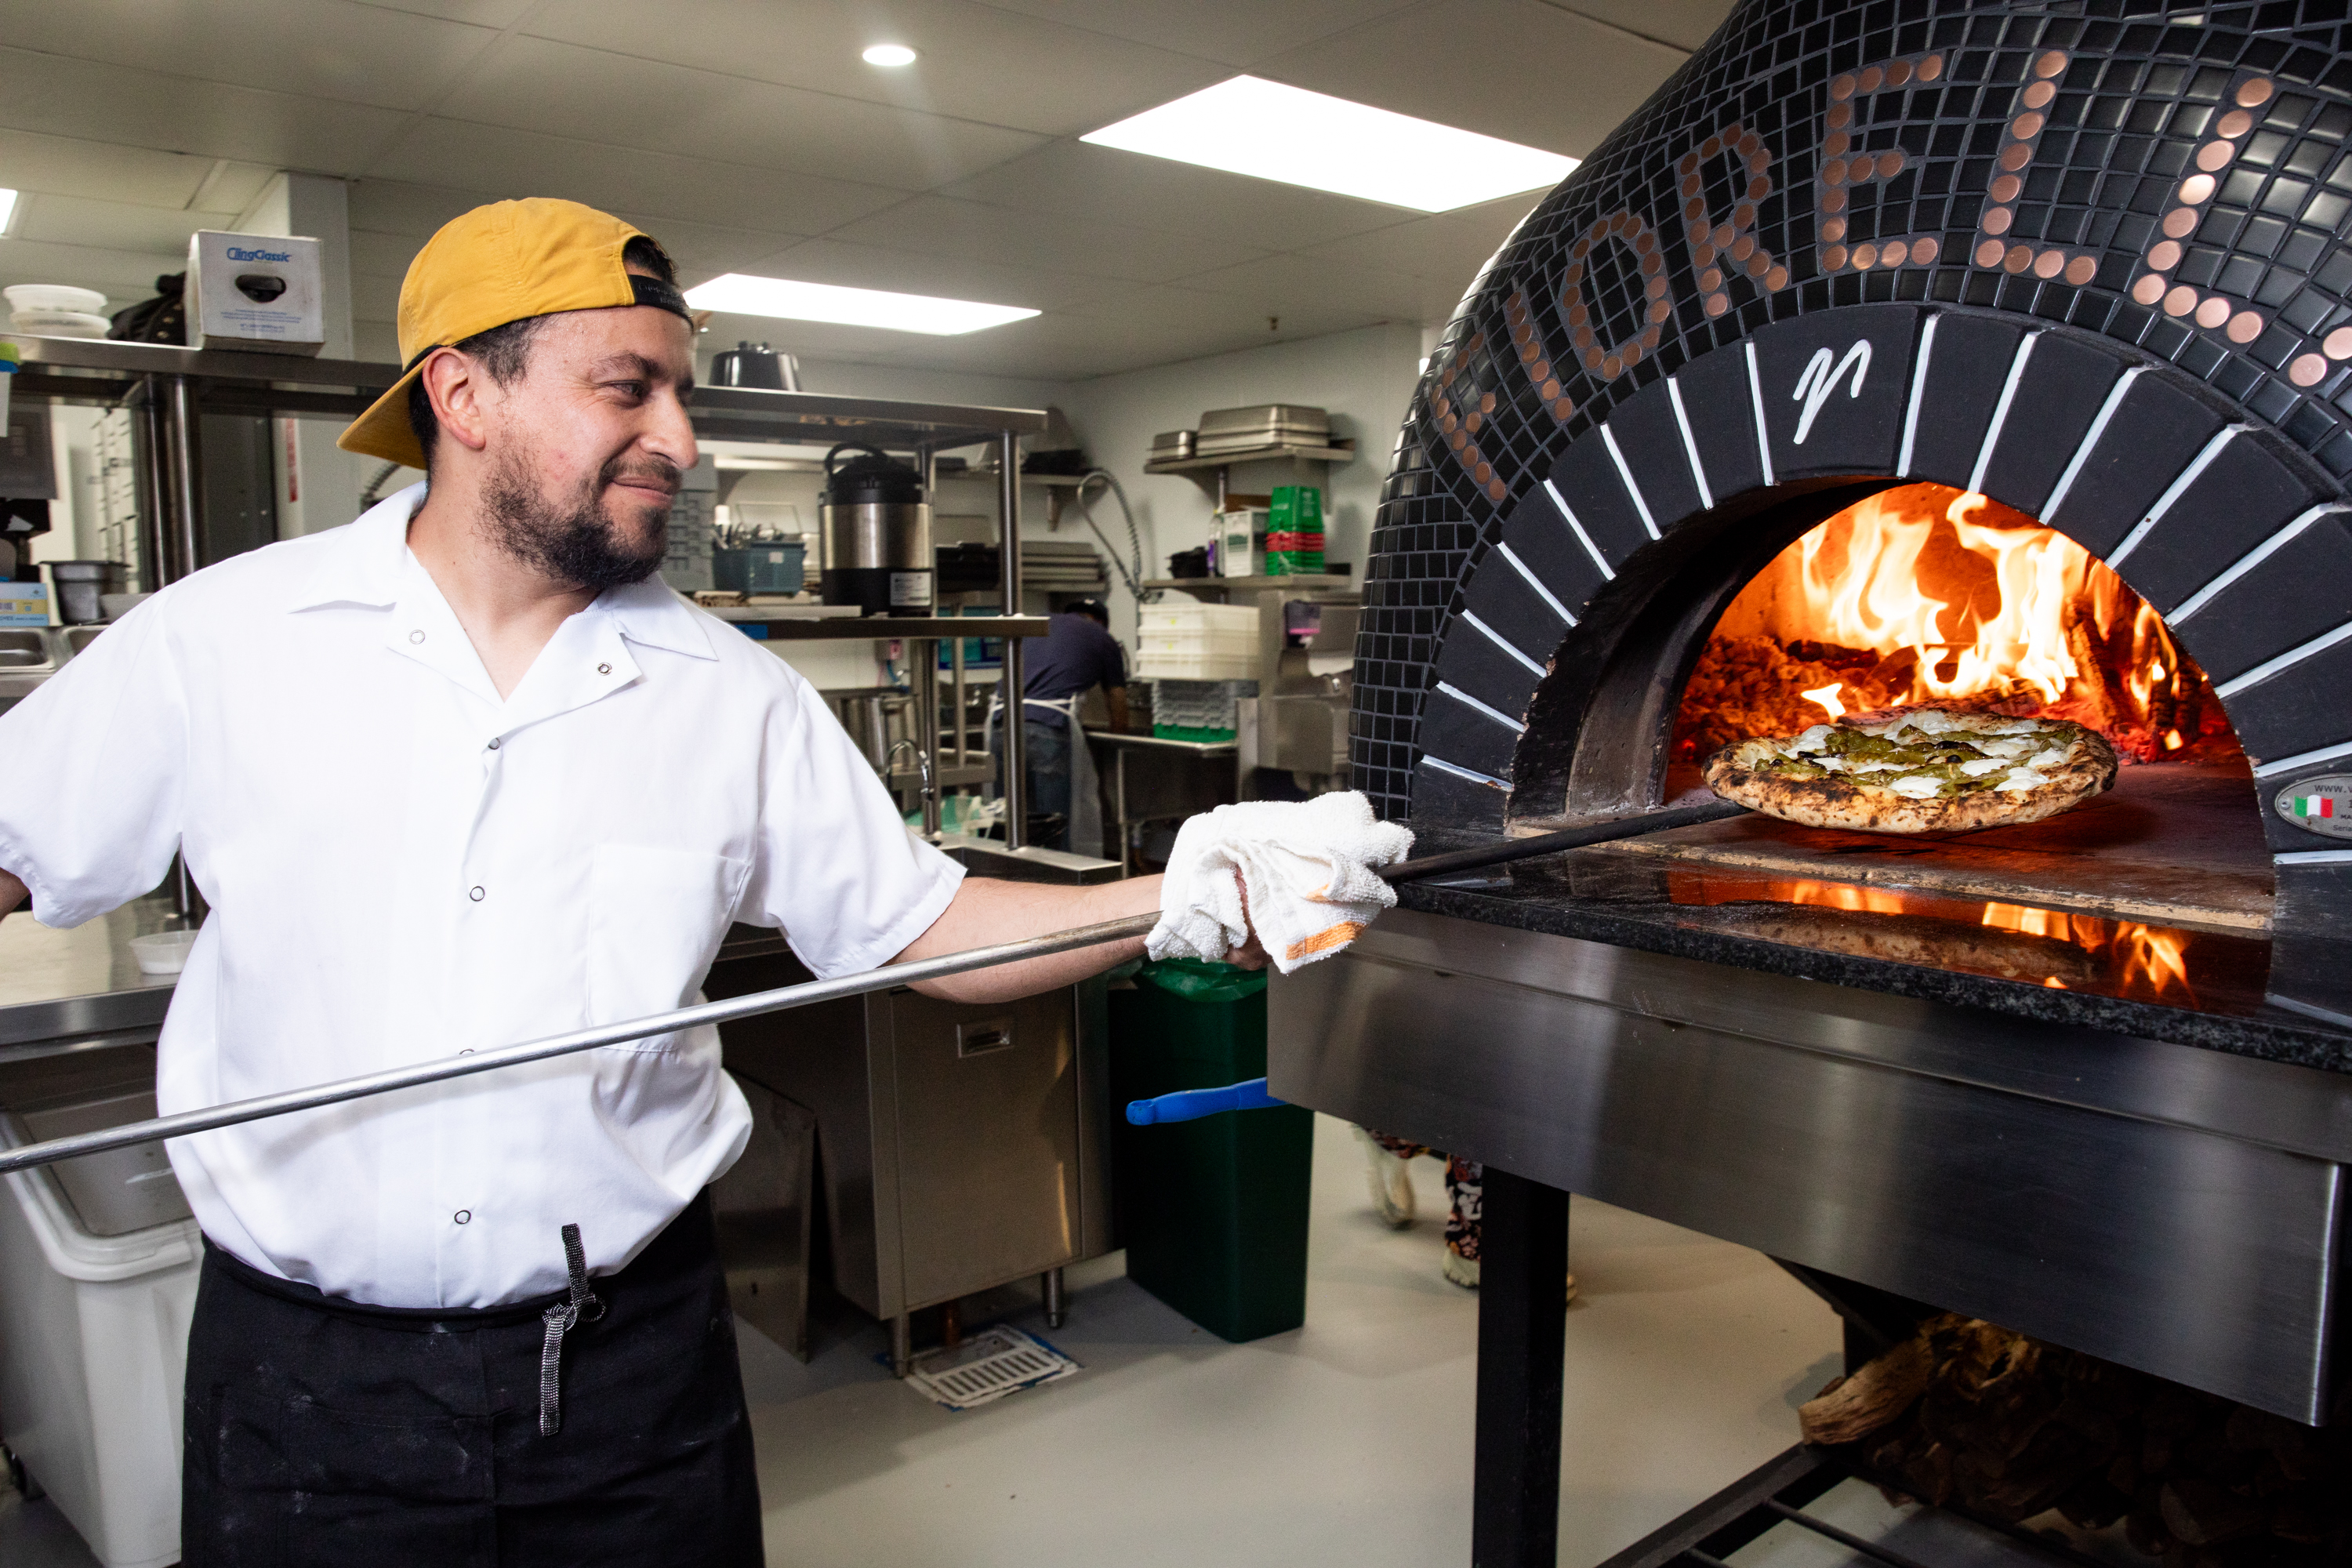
(876, 527)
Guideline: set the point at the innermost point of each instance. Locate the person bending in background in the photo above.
(1076, 655)
(1388, 1173)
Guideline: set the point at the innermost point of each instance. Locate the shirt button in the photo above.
(494, 742)
(416, 636)
(475, 894)
(463, 1216)
(604, 669)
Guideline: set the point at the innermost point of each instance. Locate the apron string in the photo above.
(559, 1319)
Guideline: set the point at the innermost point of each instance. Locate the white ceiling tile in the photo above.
(574, 91)
(481, 12)
(1105, 185)
(174, 113)
(1560, 82)
(1300, 286)
(1233, 321)
(327, 48)
(704, 250)
(938, 226)
(71, 166)
(1686, 24)
(113, 225)
(830, 260)
(978, 62)
(1238, 32)
(499, 162)
(1448, 247)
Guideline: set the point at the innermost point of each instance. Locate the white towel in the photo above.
(1308, 869)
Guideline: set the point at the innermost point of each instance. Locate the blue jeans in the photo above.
(1045, 758)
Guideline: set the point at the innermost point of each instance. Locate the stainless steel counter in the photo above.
(61, 987)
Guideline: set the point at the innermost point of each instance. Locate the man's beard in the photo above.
(572, 540)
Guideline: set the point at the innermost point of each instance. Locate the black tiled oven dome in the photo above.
(2087, 258)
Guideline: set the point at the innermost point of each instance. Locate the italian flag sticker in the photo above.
(2314, 805)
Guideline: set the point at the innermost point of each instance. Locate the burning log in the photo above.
(1969, 1413)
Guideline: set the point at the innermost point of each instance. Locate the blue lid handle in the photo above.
(1193, 1103)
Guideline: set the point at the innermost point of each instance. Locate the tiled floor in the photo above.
(1346, 1442)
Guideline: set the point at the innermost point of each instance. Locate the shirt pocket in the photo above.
(655, 918)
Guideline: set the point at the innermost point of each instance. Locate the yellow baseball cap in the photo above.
(498, 264)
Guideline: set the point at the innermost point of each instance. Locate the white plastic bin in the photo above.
(1196, 642)
(94, 1334)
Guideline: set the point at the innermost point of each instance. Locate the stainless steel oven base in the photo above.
(2176, 1210)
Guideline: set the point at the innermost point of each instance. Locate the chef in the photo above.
(462, 773)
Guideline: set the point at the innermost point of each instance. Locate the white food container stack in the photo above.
(55, 310)
(1196, 642)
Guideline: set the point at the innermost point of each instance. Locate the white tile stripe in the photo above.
(2303, 760)
(1590, 549)
(2090, 440)
(1608, 439)
(2251, 559)
(1755, 398)
(1442, 765)
(2197, 465)
(1690, 445)
(1919, 389)
(1522, 568)
(2001, 411)
(1496, 714)
(2313, 858)
(2292, 656)
(1502, 642)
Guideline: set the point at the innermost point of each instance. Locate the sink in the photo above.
(22, 648)
(986, 858)
(79, 637)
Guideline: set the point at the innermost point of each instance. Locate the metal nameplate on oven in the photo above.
(2322, 806)
(982, 1035)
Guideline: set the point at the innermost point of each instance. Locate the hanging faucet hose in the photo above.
(1134, 540)
(886, 978)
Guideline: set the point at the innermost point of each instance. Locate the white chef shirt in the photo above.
(403, 867)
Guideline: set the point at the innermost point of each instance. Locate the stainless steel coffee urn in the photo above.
(878, 533)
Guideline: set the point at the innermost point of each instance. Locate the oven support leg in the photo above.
(1522, 1329)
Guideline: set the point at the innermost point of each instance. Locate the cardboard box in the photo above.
(254, 291)
(23, 604)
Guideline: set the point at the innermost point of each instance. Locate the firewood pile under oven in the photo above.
(1968, 1414)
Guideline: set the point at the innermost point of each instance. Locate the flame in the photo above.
(2055, 983)
(2149, 961)
(1926, 594)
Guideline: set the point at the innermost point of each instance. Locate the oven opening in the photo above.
(1924, 594)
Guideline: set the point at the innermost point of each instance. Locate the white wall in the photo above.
(1364, 377)
(318, 483)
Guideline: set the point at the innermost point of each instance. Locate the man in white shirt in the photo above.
(462, 773)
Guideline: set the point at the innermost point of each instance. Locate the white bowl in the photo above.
(54, 297)
(162, 952)
(60, 323)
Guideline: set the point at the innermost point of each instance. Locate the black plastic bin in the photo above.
(1214, 1211)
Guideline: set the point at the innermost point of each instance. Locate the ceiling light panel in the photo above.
(1272, 131)
(740, 293)
(7, 208)
(888, 55)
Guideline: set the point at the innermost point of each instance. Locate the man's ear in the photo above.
(458, 389)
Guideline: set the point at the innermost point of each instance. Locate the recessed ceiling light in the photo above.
(1268, 130)
(889, 55)
(7, 208)
(742, 294)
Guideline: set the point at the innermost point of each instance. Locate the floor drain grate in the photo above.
(989, 1365)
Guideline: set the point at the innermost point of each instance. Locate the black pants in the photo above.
(321, 1431)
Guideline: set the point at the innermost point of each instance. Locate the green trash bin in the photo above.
(1213, 1211)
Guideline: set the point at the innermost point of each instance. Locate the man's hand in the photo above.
(12, 893)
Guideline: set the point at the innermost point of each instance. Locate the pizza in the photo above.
(1919, 770)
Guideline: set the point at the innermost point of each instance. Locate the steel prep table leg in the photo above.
(1015, 783)
(1052, 1282)
(1522, 1330)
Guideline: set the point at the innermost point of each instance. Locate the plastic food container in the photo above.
(60, 323)
(163, 952)
(54, 297)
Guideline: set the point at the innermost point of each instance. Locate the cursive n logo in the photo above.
(1814, 386)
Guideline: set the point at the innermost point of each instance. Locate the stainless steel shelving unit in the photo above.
(168, 388)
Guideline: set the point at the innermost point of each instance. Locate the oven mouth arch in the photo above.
(1554, 682)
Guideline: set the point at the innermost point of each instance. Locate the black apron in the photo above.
(323, 1431)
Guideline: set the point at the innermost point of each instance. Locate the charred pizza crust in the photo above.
(1965, 771)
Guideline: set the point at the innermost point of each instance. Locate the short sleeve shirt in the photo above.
(1076, 654)
(402, 866)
